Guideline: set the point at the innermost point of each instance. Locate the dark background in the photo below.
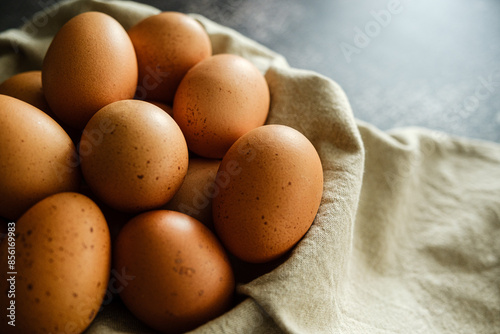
(433, 64)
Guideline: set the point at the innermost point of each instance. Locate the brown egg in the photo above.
(133, 156)
(182, 276)
(219, 100)
(271, 183)
(62, 265)
(167, 46)
(27, 87)
(37, 158)
(90, 63)
(194, 198)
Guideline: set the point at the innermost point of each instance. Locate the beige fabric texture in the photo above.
(407, 237)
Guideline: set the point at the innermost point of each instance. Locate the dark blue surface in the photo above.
(433, 64)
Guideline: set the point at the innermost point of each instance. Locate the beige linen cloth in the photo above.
(407, 237)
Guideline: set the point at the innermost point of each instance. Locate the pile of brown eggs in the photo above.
(144, 168)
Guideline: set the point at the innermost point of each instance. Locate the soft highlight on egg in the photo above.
(133, 156)
(272, 186)
(63, 259)
(90, 63)
(182, 276)
(167, 46)
(37, 157)
(220, 99)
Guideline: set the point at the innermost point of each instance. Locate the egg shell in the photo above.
(90, 63)
(165, 107)
(220, 99)
(194, 197)
(27, 87)
(167, 46)
(114, 218)
(133, 156)
(37, 158)
(271, 183)
(62, 260)
(182, 276)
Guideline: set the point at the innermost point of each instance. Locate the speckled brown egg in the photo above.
(133, 156)
(167, 46)
(90, 63)
(220, 99)
(37, 158)
(62, 265)
(27, 87)
(271, 183)
(182, 276)
(194, 197)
